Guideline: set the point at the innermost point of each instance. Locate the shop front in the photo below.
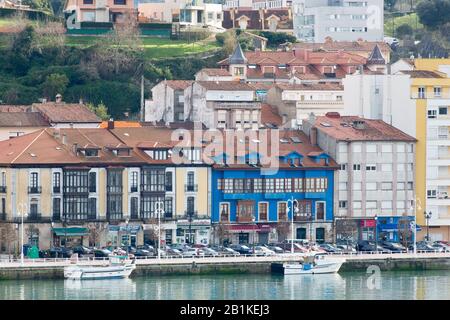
(196, 232)
(251, 233)
(124, 235)
(150, 233)
(70, 237)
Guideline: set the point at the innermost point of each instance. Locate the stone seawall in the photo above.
(385, 264)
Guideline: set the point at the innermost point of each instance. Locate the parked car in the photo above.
(142, 253)
(59, 252)
(173, 252)
(442, 244)
(192, 252)
(82, 250)
(297, 247)
(262, 251)
(393, 246)
(208, 252)
(102, 253)
(225, 251)
(346, 248)
(328, 247)
(439, 247)
(275, 248)
(368, 246)
(242, 249)
(119, 251)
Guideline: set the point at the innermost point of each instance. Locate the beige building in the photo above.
(100, 187)
(100, 10)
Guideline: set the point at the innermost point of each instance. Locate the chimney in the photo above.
(328, 39)
(75, 148)
(111, 124)
(283, 118)
(359, 124)
(58, 98)
(64, 139)
(313, 136)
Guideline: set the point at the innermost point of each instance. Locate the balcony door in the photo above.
(320, 210)
(245, 210)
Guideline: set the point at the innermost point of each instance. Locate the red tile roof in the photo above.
(269, 114)
(342, 128)
(311, 86)
(225, 85)
(22, 119)
(66, 112)
(216, 72)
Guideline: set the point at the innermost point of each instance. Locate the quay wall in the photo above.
(385, 264)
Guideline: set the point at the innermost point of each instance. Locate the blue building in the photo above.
(250, 201)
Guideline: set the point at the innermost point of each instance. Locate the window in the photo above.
(258, 185)
(431, 194)
(401, 167)
(443, 110)
(224, 212)
(169, 181)
(371, 204)
(92, 181)
(56, 209)
(134, 181)
(386, 148)
(120, 2)
(190, 180)
(421, 93)
(356, 148)
(371, 186)
(34, 181)
(238, 71)
(342, 148)
(356, 185)
(168, 207)
(356, 167)
(342, 204)
(437, 91)
(279, 185)
(153, 180)
(56, 182)
(134, 207)
(401, 148)
(298, 185)
(262, 210)
(386, 204)
(400, 186)
(432, 114)
(371, 148)
(169, 236)
(282, 211)
(92, 208)
(356, 204)
(190, 205)
(343, 166)
(409, 185)
(386, 167)
(88, 1)
(400, 204)
(34, 207)
(371, 167)
(386, 186)
(269, 185)
(342, 185)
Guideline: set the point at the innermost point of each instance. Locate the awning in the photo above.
(71, 232)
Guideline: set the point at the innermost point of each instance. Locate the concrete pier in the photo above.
(53, 268)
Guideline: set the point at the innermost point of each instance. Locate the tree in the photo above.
(100, 110)
(32, 232)
(404, 30)
(54, 83)
(222, 233)
(96, 230)
(8, 237)
(433, 13)
(405, 233)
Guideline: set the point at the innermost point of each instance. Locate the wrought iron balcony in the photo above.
(56, 189)
(191, 187)
(115, 216)
(302, 217)
(35, 189)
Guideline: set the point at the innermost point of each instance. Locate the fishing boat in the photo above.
(118, 267)
(315, 264)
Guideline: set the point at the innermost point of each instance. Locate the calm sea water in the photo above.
(391, 285)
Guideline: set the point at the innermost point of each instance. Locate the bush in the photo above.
(404, 30)
(274, 39)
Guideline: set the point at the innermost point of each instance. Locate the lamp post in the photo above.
(51, 234)
(254, 234)
(159, 210)
(376, 233)
(190, 214)
(428, 217)
(128, 238)
(294, 204)
(23, 212)
(414, 226)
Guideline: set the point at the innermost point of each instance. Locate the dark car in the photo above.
(140, 253)
(393, 246)
(60, 252)
(241, 248)
(102, 253)
(275, 248)
(368, 246)
(82, 250)
(328, 247)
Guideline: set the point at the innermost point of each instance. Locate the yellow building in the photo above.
(101, 187)
(430, 88)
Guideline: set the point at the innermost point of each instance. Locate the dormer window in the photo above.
(91, 152)
(158, 154)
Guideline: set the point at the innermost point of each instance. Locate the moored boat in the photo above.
(119, 267)
(319, 264)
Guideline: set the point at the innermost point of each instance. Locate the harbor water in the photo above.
(416, 285)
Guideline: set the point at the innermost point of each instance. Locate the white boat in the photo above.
(320, 264)
(118, 268)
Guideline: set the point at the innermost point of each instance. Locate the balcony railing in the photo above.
(191, 187)
(134, 189)
(301, 218)
(56, 217)
(35, 189)
(2, 189)
(244, 219)
(115, 216)
(224, 218)
(56, 189)
(190, 213)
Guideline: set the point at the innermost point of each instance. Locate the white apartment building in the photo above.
(376, 176)
(296, 101)
(381, 96)
(343, 20)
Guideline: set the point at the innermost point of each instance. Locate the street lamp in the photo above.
(190, 213)
(128, 238)
(295, 209)
(51, 234)
(159, 206)
(376, 233)
(254, 234)
(428, 217)
(22, 209)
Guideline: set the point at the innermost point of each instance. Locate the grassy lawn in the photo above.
(155, 47)
(409, 19)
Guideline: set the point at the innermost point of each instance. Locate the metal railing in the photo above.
(35, 189)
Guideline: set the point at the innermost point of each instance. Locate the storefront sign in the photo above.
(368, 223)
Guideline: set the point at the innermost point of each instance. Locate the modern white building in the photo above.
(343, 20)
(376, 176)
